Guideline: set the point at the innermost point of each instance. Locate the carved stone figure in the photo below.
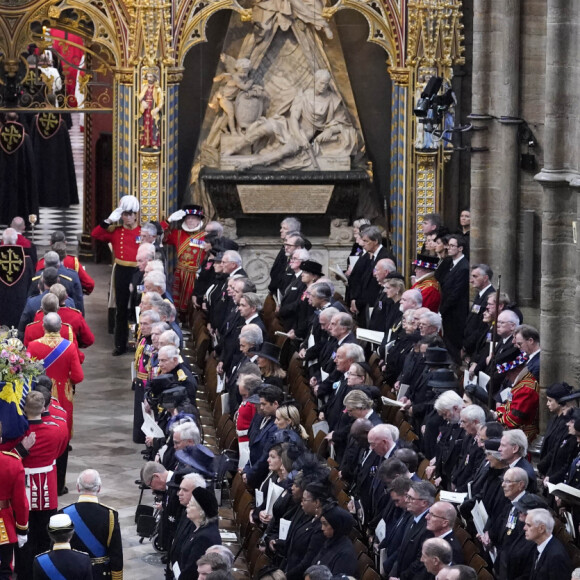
(318, 125)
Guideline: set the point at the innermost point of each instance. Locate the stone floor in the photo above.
(102, 436)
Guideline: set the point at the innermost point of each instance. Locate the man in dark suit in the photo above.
(97, 532)
(527, 339)
(420, 498)
(367, 288)
(475, 327)
(260, 434)
(232, 265)
(551, 561)
(513, 450)
(287, 226)
(436, 553)
(440, 522)
(287, 310)
(455, 296)
(471, 455)
(340, 331)
(382, 304)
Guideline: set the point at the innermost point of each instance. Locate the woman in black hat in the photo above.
(476, 395)
(269, 363)
(202, 511)
(337, 552)
(559, 446)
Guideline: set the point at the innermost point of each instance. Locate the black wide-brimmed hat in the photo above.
(530, 501)
(207, 501)
(558, 391)
(311, 267)
(476, 392)
(436, 355)
(162, 383)
(269, 351)
(442, 379)
(509, 359)
(426, 261)
(199, 457)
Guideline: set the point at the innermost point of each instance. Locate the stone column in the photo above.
(560, 289)
(494, 201)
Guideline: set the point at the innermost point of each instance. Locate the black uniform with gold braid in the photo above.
(97, 531)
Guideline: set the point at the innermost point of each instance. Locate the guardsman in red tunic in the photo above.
(520, 401)
(35, 330)
(61, 363)
(39, 466)
(425, 281)
(125, 240)
(13, 508)
(189, 241)
(58, 244)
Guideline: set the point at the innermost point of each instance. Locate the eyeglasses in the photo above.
(509, 481)
(431, 514)
(411, 498)
(348, 373)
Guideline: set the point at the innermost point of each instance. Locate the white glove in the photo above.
(129, 203)
(176, 216)
(115, 216)
(22, 540)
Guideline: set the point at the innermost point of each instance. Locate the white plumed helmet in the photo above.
(129, 203)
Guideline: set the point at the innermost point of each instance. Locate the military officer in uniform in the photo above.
(13, 508)
(169, 364)
(97, 530)
(62, 561)
(125, 240)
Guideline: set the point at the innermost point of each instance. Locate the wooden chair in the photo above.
(422, 467)
(364, 563)
(477, 563)
(359, 548)
(370, 574)
(469, 550)
(461, 535)
(485, 574)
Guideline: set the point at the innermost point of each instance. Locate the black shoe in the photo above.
(63, 491)
(119, 351)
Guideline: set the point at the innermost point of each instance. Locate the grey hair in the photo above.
(253, 300)
(51, 259)
(517, 437)
(149, 470)
(575, 574)
(152, 315)
(188, 431)
(433, 319)
(154, 298)
(148, 249)
(49, 303)
(321, 290)
(9, 236)
(89, 480)
(416, 296)
(233, 256)
(353, 352)
(425, 491)
(344, 319)
(328, 313)
(224, 552)
(542, 516)
(387, 264)
(438, 548)
(163, 325)
(448, 400)
(157, 279)
(156, 266)
(215, 227)
(318, 572)
(197, 479)
(509, 316)
(170, 336)
(473, 413)
(52, 322)
(484, 269)
(170, 350)
(326, 280)
(361, 222)
(301, 254)
(292, 223)
(149, 228)
(386, 430)
(164, 309)
(373, 233)
(519, 475)
(252, 333)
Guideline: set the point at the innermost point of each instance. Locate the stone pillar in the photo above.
(494, 200)
(560, 288)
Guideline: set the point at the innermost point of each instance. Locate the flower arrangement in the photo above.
(15, 362)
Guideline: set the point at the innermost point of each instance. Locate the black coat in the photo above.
(278, 270)
(470, 458)
(553, 564)
(194, 548)
(556, 433)
(304, 541)
(339, 555)
(532, 480)
(260, 442)
(455, 303)
(475, 327)
(288, 312)
(408, 562)
(448, 451)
